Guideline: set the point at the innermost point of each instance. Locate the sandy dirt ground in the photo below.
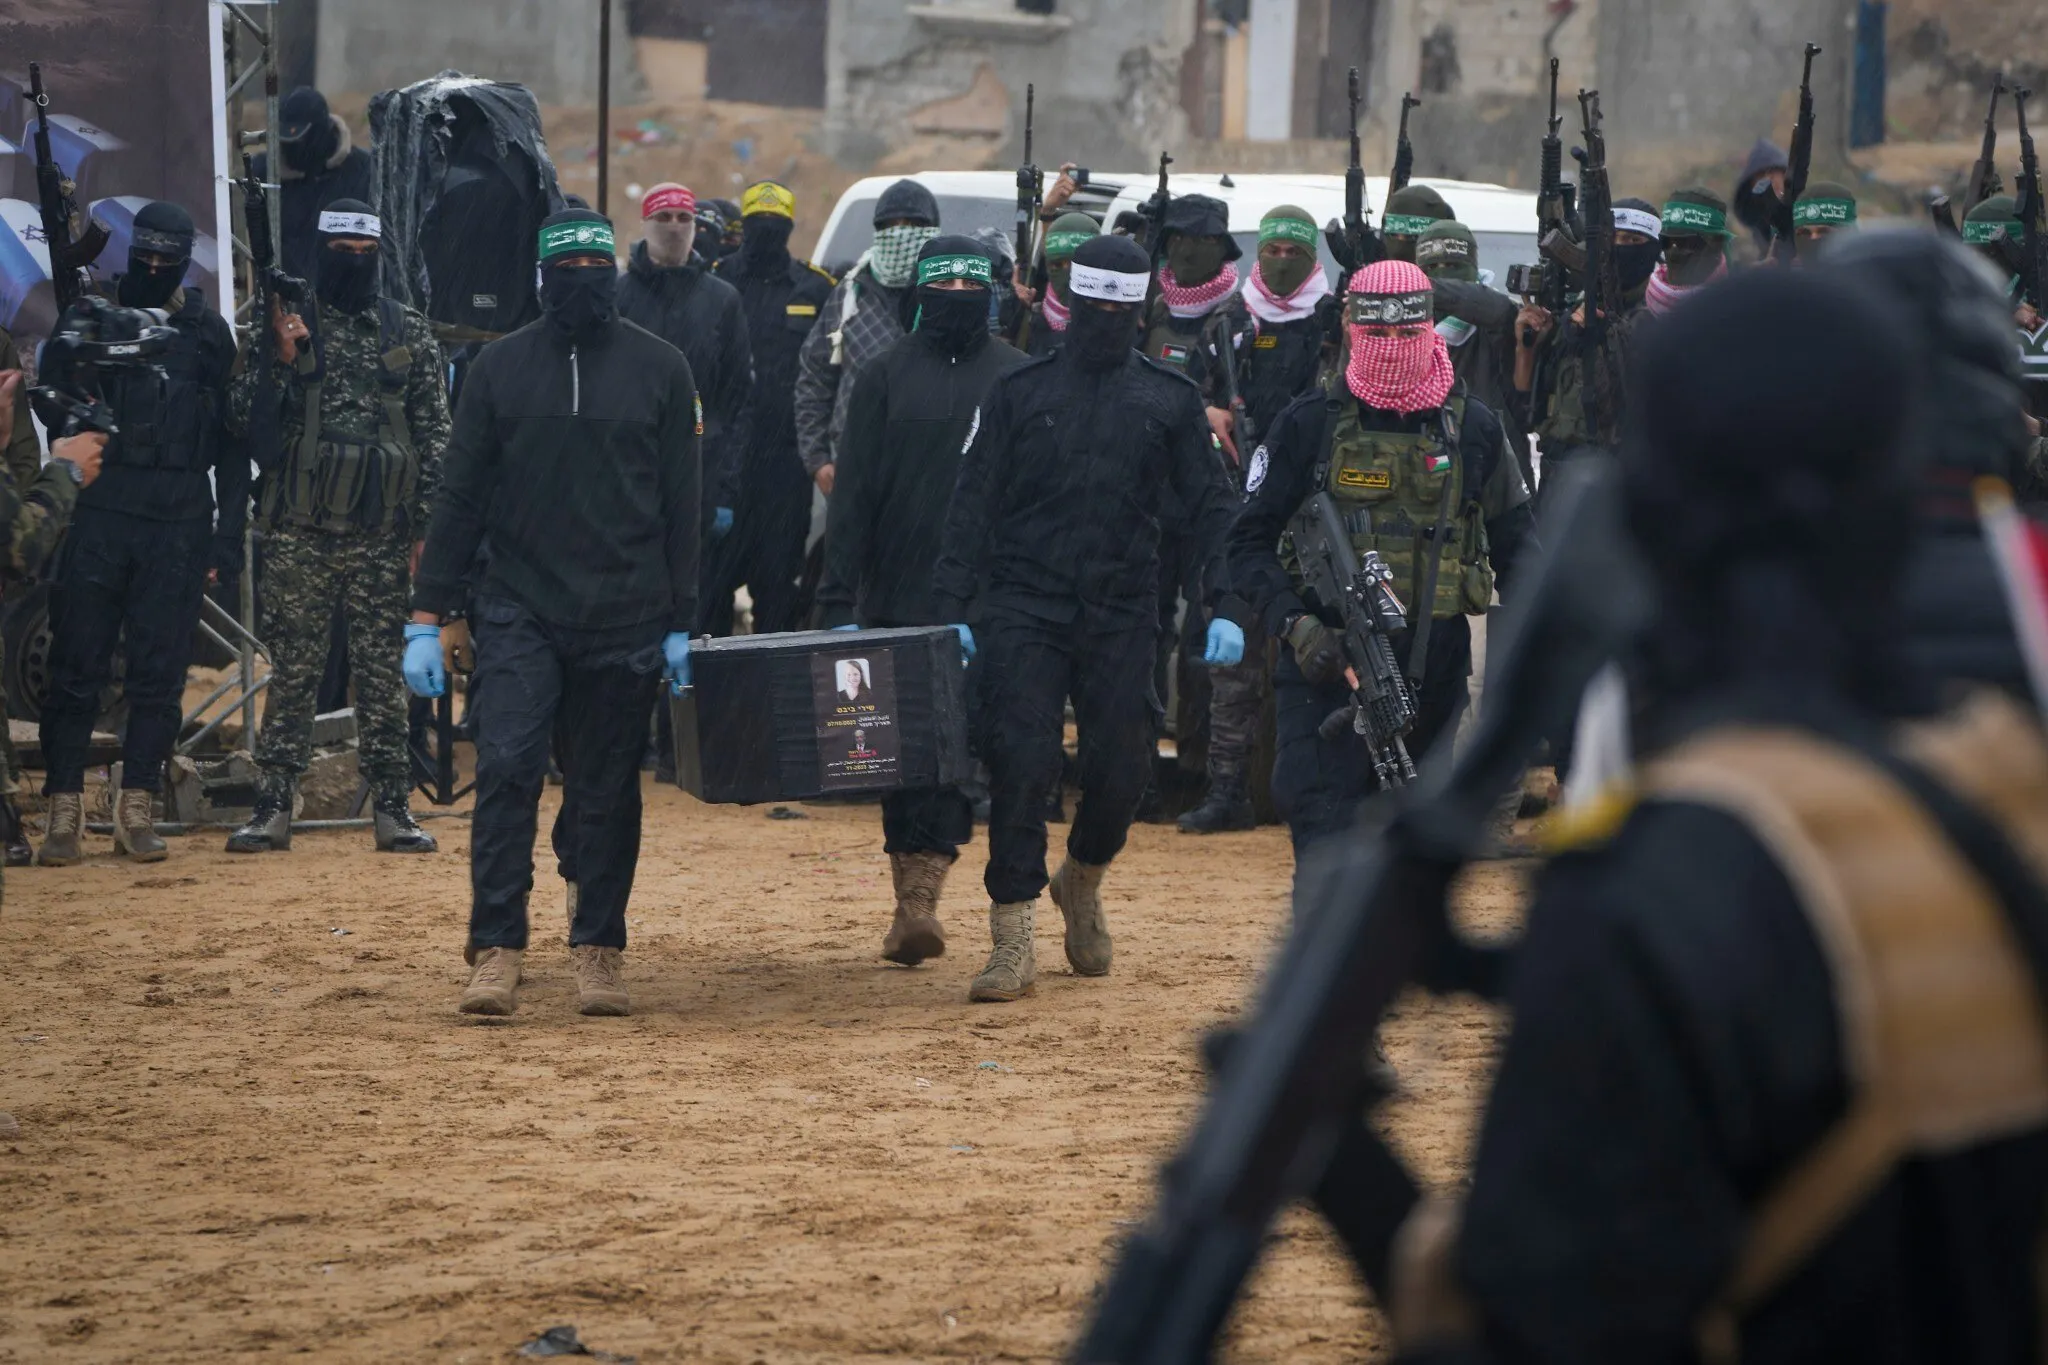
(252, 1123)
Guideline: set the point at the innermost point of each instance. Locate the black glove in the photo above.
(1318, 650)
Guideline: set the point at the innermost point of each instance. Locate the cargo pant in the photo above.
(306, 575)
(1237, 698)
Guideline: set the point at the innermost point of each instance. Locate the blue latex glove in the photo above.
(675, 648)
(424, 672)
(966, 640)
(1226, 644)
(721, 522)
(848, 626)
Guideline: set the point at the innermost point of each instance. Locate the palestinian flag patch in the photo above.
(1439, 463)
(1174, 355)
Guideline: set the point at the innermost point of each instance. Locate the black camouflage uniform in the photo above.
(341, 513)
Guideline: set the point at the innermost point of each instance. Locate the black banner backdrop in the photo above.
(136, 93)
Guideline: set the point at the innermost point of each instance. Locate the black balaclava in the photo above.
(161, 229)
(1108, 280)
(764, 244)
(306, 133)
(1769, 484)
(955, 320)
(348, 279)
(578, 300)
(1638, 262)
(1972, 422)
(1754, 202)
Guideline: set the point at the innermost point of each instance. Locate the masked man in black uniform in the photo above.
(143, 542)
(1055, 529)
(780, 297)
(898, 461)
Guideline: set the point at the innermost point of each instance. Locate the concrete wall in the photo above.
(547, 45)
(1688, 88)
(1108, 80)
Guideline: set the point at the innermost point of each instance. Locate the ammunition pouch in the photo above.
(347, 481)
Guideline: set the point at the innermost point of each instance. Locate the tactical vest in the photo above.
(344, 480)
(168, 421)
(1182, 344)
(1404, 494)
(1943, 1028)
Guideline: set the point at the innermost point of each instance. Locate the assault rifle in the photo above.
(1155, 216)
(2033, 213)
(56, 197)
(1382, 708)
(1404, 150)
(268, 284)
(1030, 194)
(1984, 181)
(1354, 244)
(1553, 213)
(1797, 163)
(1287, 1116)
(1602, 275)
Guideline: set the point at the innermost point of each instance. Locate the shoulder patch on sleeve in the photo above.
(697, 401)
(973, 430)
(1255, 472)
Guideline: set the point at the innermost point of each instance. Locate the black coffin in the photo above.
(814, 713)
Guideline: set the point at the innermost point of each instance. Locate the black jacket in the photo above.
(1676, 1048)
(1276, 365)
(898, 461)
(1063, 489)
(1485, 360)
(780, 304)
(1283, 469)
(700, 315)
(580, 465)
(174, 434)
(348, 174)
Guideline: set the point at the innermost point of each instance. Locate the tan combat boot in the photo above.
(493, 981)
(1077, 890)
(600, 980)
(916, 934)
(135, 827)
(66, 819)
(1013, 965)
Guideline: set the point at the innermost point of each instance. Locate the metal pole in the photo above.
(604, 106)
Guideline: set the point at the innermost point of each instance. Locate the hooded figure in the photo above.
(321, 164)
(867, 312)
(1408, 214)
(1971, 425)
(1759, 188)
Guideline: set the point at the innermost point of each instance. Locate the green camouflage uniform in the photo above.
(35, 506)
(308, 569)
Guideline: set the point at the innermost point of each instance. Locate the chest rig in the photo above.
(169, 416)
(352, 475)
(1404, 495)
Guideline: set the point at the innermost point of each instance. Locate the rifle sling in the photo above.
(1425, 605)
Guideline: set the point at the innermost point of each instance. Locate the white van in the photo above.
(1503, 220)
(968, 201)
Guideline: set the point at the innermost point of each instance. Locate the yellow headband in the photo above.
(768, 197)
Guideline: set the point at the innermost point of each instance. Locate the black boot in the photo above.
(1228, 807)
(14, 845)
(398, 832)
(270, 825)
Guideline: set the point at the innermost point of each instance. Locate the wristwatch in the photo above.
(77, 474)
